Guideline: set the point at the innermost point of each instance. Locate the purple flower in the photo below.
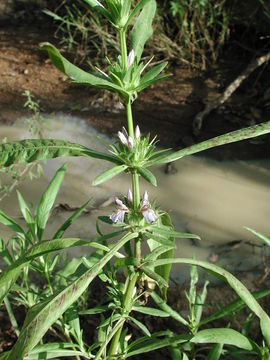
(119, 215)
(130, 142)
(122, 138)
(148, 214)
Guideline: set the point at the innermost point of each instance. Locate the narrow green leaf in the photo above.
(99, 7)
(26, 213)
(222, 336)
(152, 344)
(154, 254)
(135, 11)
(95, 310)
(140, 325)
(53, 350)
(147, 175)
(10, 275)
(78, 75)
(152, 76)
(9, 222)
(47, 200)
(165, 307)
(215, 352)
(233, 307)
(246, 133)
(150, 311)
(142, 29)
(130, 261)
(109, 174)
(40, 318)
(200, 301)
(169, 232)
(60, 232)
(27, 151)
(235, 284)
(264, 238)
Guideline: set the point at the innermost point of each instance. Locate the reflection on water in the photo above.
(209, 198)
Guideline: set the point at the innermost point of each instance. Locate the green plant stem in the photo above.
(123, 46)
(11, 316)
(127, 304)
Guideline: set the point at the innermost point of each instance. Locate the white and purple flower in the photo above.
(119, 215)
(148, 214)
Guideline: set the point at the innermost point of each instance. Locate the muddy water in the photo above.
(212, 199)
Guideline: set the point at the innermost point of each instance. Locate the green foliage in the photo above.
(57, 301)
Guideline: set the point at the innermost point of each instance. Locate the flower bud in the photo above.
(130, 142)
(137, 132)
(122, 138)
(145, 196)
(129, 196)
(131, 57)
(124, 131)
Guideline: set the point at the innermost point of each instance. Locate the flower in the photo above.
(126, 139)
(148, 214)
(121, 210)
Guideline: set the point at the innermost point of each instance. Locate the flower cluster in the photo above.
(126, 139)
(148, 214)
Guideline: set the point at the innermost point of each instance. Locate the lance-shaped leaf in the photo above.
(222, 336)
(99, 7)
(109, 174)
(47, 200)
(142, 29)
(231, 137)
(261, 236)
(135, 11)
(27, 151)
(235, 284)
(10, 275)
(147, 175)
(41, 317)
(152, 76)
(60, 232)
(9, 222)
(78, 75)
(27, 213)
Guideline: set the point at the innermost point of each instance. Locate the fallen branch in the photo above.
(198, 120)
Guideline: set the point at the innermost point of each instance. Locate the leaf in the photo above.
(60, 232)
(142, 29)
(27, 151)
(215, 352)
(134, 12)
(9, 222)
(165, 307)
(150, 311)
(147, 345)
(264, 238)
(222, 336)
(108, 174)
(40, 317)
(233, 307)
(78, 75)
(168, 232)
(10, 275)
(53, 350)
(99, 7)
(147, 175)
(95, 310)
(155, 276)
(140, 325)
(152, 76)
(26, 213)
(235, 284)
(228, 138)
(47, 200)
